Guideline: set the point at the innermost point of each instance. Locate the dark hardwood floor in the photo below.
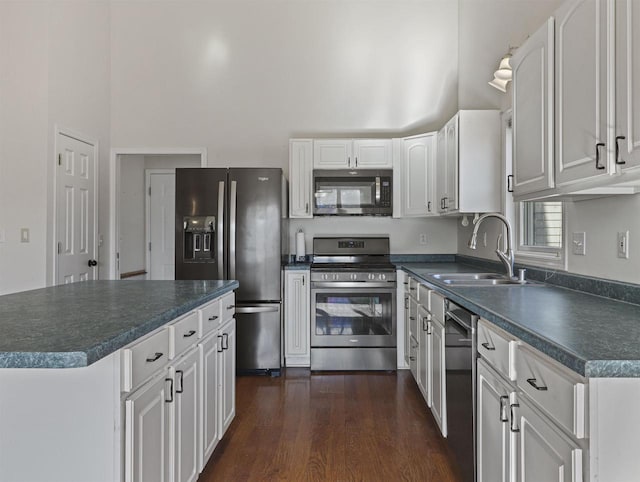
(337, 426)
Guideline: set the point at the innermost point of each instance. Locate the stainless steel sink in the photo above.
(467, 276)
(476, 279)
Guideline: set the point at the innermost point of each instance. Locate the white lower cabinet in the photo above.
(520, 435)
(148, 432)
(424, 354)
(186, 417)
(438, 380)
(227, 377)
(543, 453)
(297, 323)
(210, 349)
(492, 427)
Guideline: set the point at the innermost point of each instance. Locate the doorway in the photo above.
(143, 211)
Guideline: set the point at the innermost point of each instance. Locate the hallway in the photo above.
(330, 426)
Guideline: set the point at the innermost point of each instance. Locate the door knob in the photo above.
(92, 263)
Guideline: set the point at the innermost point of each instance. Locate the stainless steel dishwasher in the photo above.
(460, 369)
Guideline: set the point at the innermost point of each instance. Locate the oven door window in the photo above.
(340, 193)
(353, 315)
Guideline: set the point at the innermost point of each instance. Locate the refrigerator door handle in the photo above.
(257, 309)
(220, 230)
(232, 229)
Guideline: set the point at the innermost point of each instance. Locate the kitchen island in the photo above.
(75, 360)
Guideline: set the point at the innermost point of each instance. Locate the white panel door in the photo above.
(148, 432)
(161, 196)
(75, 211)
(493, 440)
(209, 359)
(187, 421)
(628, 82)
(581, 91)
(533, 112)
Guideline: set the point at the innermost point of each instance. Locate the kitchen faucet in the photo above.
(507, 256)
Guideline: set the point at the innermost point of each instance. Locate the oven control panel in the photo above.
(358, 276)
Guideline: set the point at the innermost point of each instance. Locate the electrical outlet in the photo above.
(623, 244)
(579, 243)
(422, 239)
(24, 235)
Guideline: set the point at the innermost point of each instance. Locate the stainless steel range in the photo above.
(353, 304)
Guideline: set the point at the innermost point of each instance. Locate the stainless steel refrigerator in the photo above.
(230, 225)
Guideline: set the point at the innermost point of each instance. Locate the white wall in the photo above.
(487, 29)
(403, 233)
(54, 70)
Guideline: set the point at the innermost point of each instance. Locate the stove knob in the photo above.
(354, 277)
(382, 277)
(325, 277)
(335, 277)
(372, 276)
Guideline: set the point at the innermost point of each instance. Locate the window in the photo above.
(540, 233)
(542, 224)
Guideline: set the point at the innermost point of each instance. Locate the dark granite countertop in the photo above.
(77, 324)
(592, 335)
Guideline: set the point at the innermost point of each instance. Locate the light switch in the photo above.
(24, 235)
(623, 244)
(578, 243)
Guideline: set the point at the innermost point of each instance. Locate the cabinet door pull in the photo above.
(486, 346)
(619, 138)
(598, 146)
(356, 161)
(510, 183)
(503, 408)
(534, 384)
(213, 318)
(225, 341)
(349, 161)
(220, 349)
(154, 357)
(306, 208)
(514, 428)
(170, 380)
(412, 318)
(230, 307)
(189, 334)
(429, 206)
(181, 389)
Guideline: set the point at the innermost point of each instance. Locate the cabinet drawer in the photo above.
(437, 306)
(144, 358)
(413, 287)
(497, 348)
(209, 317)
(424, 295)
(228, 306)
(183, 334)
(560, 393)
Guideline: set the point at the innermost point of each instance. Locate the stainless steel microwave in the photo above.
(352, 192)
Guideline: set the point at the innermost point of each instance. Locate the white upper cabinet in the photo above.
(372, 154)
(352, 154)
(581, 83)
(533, 112)
(627, 131)
(468, 164)
(332, 153)
(417, 190)
(593, 108)
(301, 178)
